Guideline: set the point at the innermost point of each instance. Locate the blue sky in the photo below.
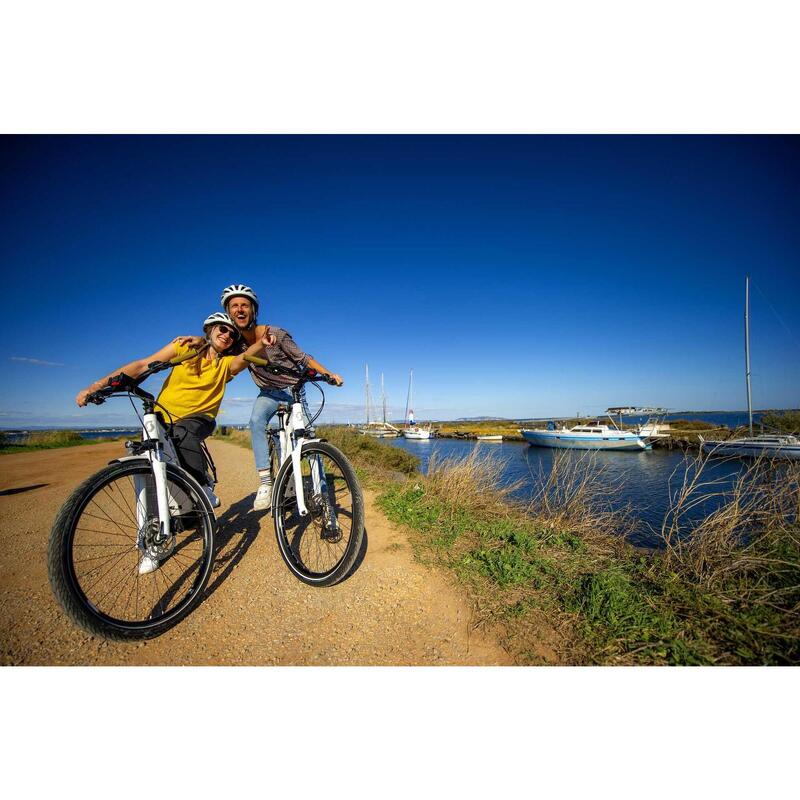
(518, 276)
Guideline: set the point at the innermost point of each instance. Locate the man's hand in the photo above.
(268, 339)
(192, 341)
(337, 380)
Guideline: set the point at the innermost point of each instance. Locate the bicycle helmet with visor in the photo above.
(238, 290)
(218, 318)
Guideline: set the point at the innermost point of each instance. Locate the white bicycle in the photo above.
(317, 505)
(132, 548)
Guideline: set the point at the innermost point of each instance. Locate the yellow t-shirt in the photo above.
(196, 386)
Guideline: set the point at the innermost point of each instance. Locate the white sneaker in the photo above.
(212, 498)
(147, 565)
(263, 497)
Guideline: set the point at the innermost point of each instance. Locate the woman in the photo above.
(193, 391)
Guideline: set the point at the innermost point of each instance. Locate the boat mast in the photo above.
(410, 394)
(747, 349)
(383, 400)
(366, 393)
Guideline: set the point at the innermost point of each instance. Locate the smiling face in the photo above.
(221, 337)
(241, 311)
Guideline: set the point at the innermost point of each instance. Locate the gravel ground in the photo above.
(391, 611)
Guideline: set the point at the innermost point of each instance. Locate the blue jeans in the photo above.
(264, 409)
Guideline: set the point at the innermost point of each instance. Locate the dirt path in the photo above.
(392, 611)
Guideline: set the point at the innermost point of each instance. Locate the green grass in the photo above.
(48, 440)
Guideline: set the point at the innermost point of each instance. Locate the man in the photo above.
(240, 302)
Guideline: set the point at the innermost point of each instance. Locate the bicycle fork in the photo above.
(319, 485)
(143, 502)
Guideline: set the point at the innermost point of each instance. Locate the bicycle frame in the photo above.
(291, 436)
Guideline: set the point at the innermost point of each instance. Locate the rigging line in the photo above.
(777, 315)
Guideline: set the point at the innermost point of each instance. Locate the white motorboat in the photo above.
(586, 437)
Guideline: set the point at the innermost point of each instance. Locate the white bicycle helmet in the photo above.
(238, 290)
(218, 318)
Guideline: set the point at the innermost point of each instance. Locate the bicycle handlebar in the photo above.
(307, 375)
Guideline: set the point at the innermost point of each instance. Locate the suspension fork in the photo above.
(318, 483)
(159, 466)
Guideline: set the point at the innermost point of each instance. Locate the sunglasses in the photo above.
(226, 329)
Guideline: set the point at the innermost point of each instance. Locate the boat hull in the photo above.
(565, 440)
(416, 434)
(749, 450)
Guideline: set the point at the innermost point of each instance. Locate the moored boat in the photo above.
(412, 429)
(415, 432)
(766, 445)
(586, 437)
(377, 429)
(762, 446)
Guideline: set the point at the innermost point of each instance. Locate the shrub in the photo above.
(53, 439)
(783, 421)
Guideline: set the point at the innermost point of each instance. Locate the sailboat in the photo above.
(782, 446)
(373, 427)
(412, 430)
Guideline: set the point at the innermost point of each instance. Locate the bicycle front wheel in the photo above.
(109, 568)
(321, 547)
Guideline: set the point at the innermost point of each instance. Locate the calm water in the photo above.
(643, 478)
(106, 433)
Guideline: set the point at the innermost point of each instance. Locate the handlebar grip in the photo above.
(99, 397)
(185, 357)
(260, 362)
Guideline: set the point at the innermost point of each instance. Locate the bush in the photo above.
(366, 451)
(783, 421)
(53, 439)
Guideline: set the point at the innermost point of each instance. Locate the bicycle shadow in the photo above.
(237, 529)
(362, 554)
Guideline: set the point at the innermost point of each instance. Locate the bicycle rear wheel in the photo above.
(321, 547)
(99, 540)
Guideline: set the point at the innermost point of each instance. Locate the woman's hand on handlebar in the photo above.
(80, 398)
(336, 380)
